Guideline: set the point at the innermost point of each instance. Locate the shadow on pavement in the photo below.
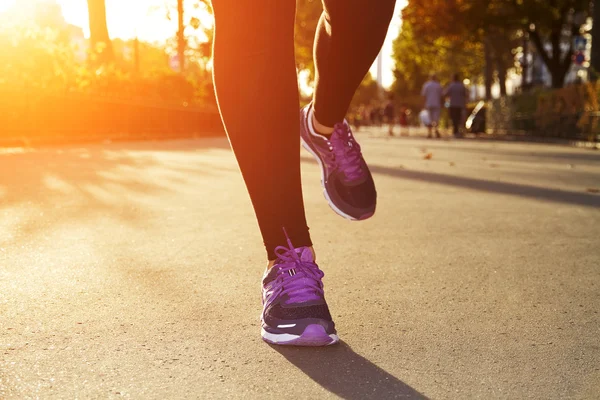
(515, 189)
(554, 195)
(347, 374)
(73, 183)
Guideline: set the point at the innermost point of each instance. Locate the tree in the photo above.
(412, 65)
(181, 42)
(553, 24)
(416, 57)
(34, 59)
(550, 24)
(367, 91)
(595, 61)
(487, 24)
(193, 40)
(200, 40)
(307, 17)
(99, 39)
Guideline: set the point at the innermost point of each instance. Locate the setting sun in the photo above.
(4, 4)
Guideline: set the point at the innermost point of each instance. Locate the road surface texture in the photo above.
(132, 270)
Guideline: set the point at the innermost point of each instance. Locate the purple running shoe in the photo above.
(345, 177)
(294, 309)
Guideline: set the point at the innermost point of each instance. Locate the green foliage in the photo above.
(308, 13)
(367, 92)
(569, 112)
(412, 62)
(547, 14)
(479, 27)
(198, 28)
(417, 57)
(555, 23)
(500, 24)
(44, 61)
(35, 57)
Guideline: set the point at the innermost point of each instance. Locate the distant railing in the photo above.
(26, 116)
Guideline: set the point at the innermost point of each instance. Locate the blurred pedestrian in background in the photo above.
(403, 120)
(376, 115)
(433, 93)
(389, 113)
(457, 96)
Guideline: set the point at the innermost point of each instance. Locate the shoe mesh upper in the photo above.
(362, 195)
(292, 313)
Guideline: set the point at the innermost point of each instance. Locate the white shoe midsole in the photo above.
(288, 337)
(278, 337)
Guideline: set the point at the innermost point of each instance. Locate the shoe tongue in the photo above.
(305, 254)
(340, 130)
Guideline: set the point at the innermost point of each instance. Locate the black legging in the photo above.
(257, 91)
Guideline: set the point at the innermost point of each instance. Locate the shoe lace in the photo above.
(300, 280)
(346, 152)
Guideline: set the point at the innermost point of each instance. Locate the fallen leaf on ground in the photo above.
(428, 156)
(593, 190)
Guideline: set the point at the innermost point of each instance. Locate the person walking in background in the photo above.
(432, 92)
(457, 95)
(376, 116)
(403, 120)
(357, 117)
(373, 115)
(260, 112)
(389, 112)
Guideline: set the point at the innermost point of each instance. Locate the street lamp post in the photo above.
(380, 73)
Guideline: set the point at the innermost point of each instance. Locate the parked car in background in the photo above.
(476, 121)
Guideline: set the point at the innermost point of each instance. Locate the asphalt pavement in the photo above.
(132, 270)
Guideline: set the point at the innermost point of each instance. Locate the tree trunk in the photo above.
(557, 65)
(558, 76)
(502, 77)
(498, 56)
(99, 39)
(525, 64)
(181, 44)
(595, 61)
(489, 68)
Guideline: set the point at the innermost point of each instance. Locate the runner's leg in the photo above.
(257, 90)
(349, 37)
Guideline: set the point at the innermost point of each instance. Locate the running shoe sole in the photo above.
(314, 335)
